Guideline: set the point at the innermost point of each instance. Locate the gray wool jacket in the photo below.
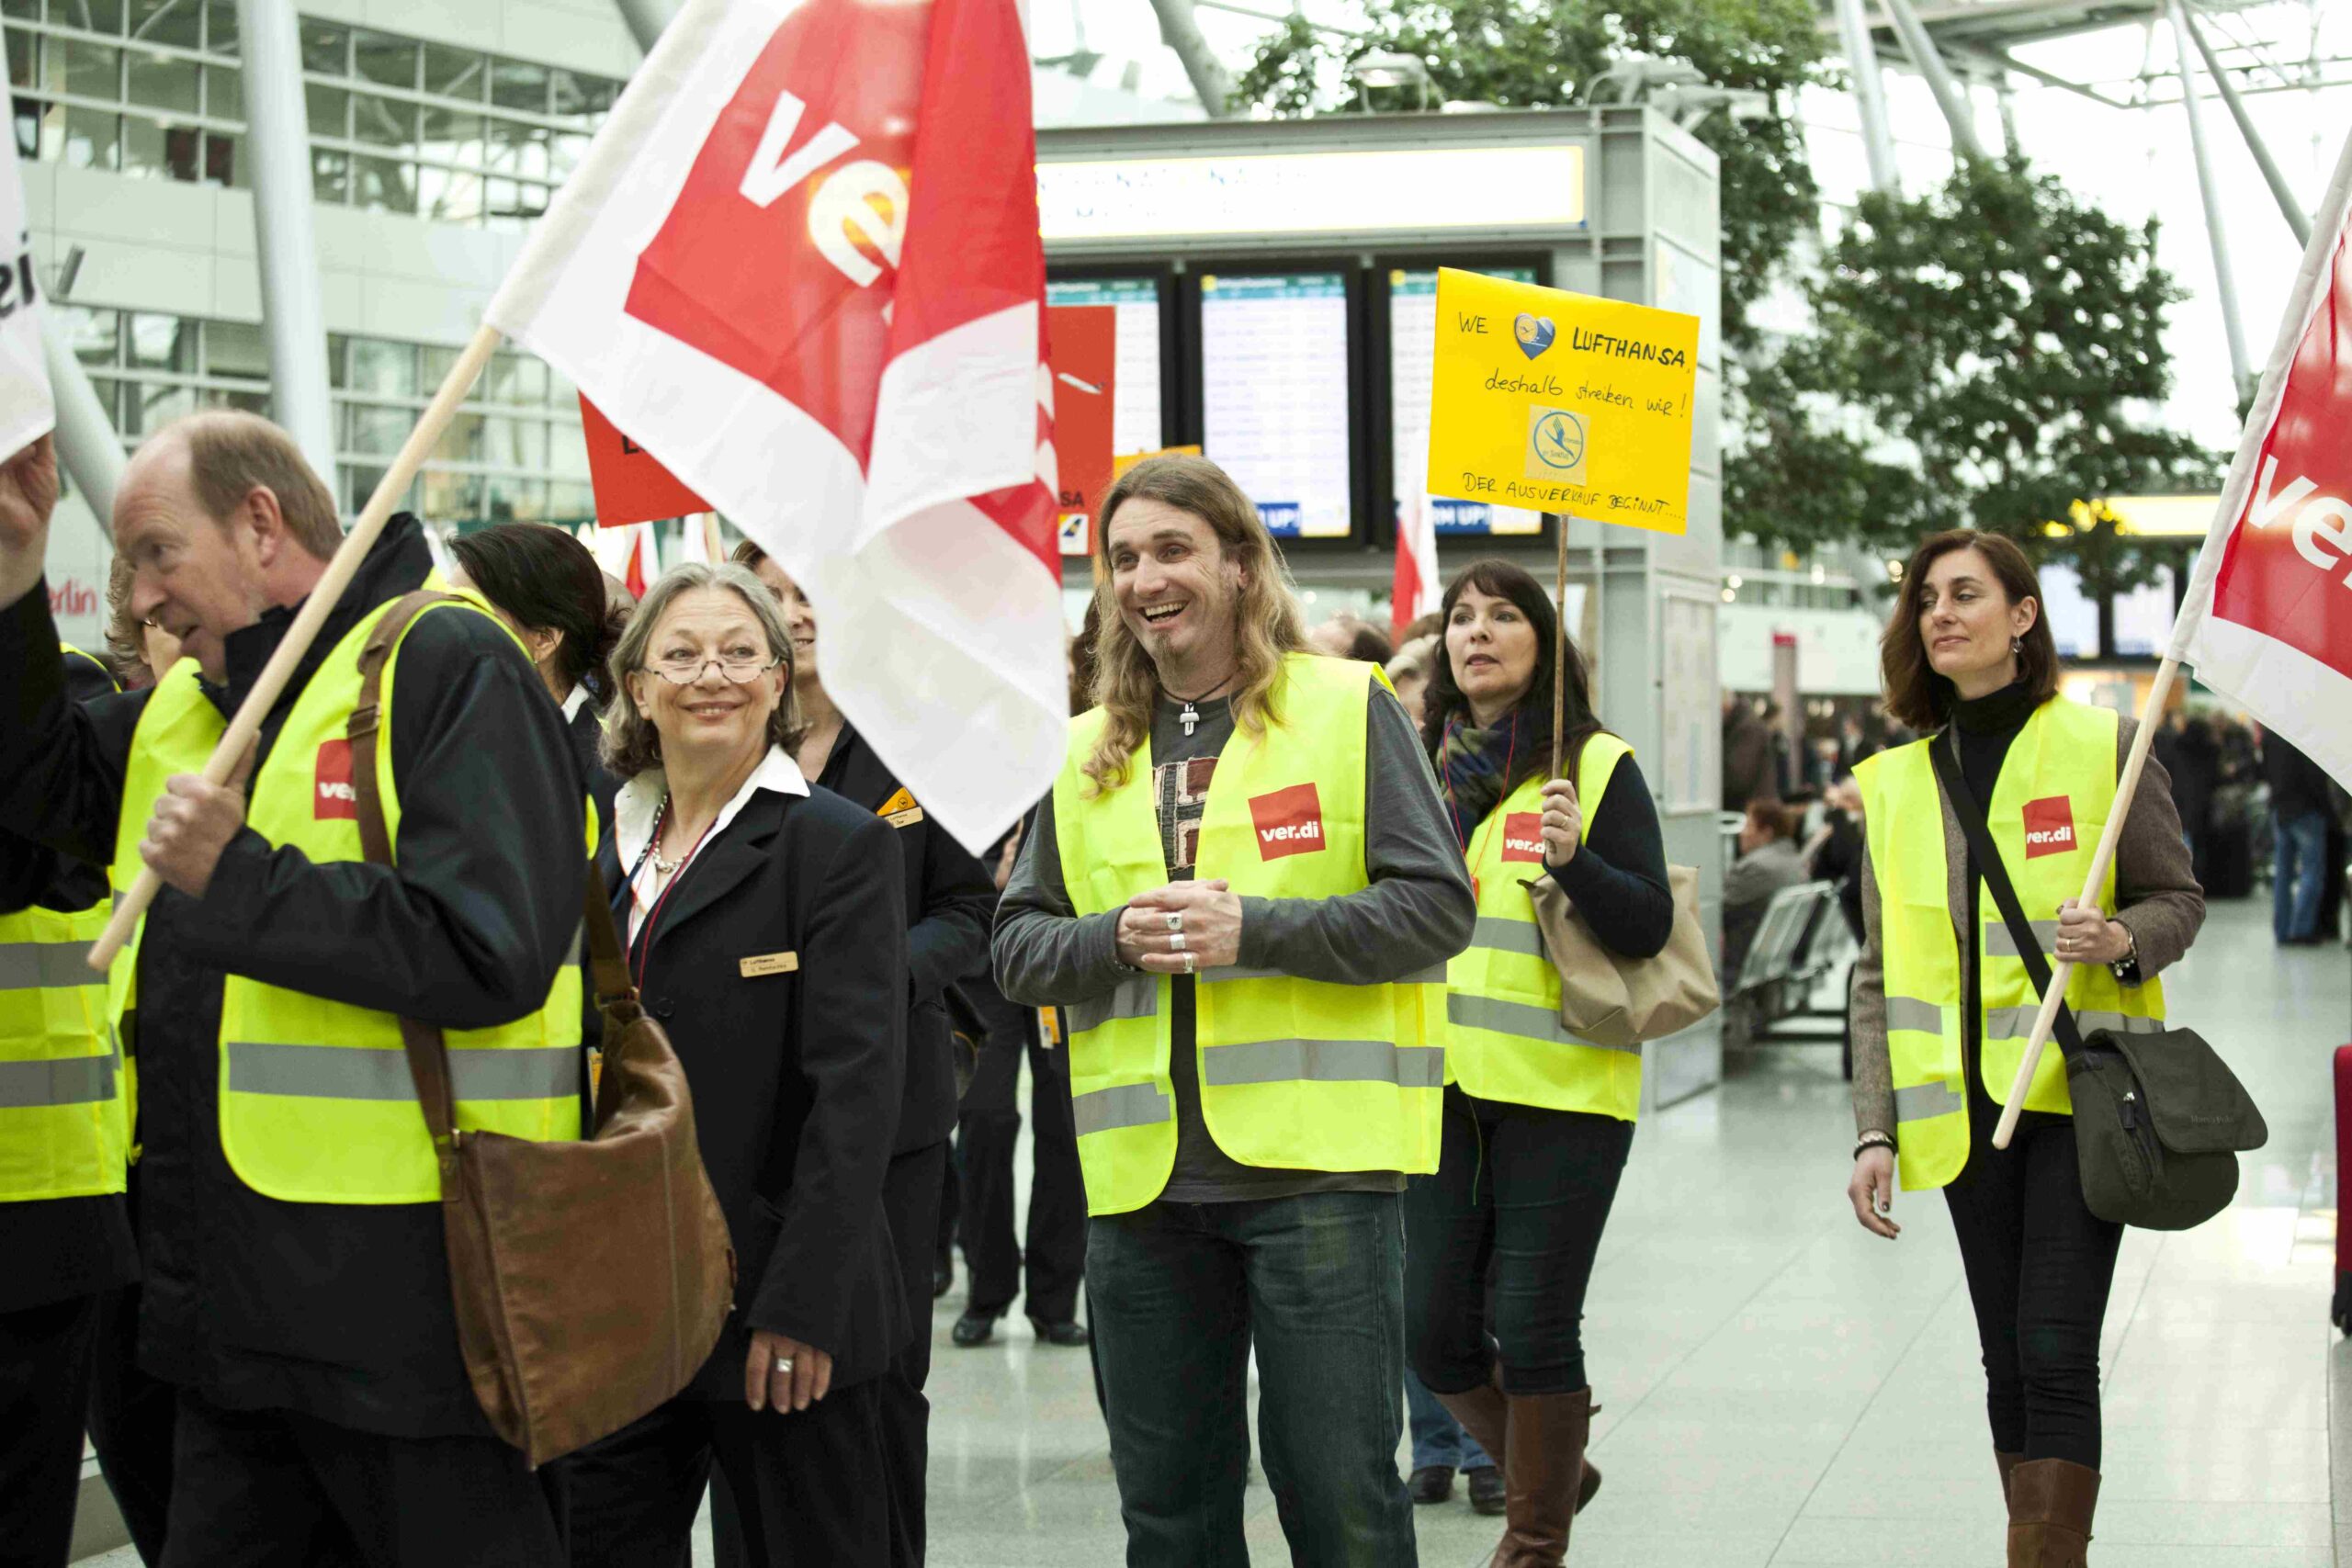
(2156, 898)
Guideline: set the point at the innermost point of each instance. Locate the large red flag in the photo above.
(2269, 619)
(800, 267)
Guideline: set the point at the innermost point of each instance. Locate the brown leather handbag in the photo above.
(590, 1278)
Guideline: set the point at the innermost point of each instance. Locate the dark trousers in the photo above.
(1524, 1191)
(2038, 1264)
(273, 1489)
(910, 1199)
(988, 1133)
(1179, 1295)
(802, 1484)
(44, 1382)
(132, 1417)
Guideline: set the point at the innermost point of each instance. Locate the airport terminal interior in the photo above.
(1774, 1387)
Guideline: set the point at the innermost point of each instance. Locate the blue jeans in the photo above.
(1438, 1438)
(1179, 1295)
(2300, 874)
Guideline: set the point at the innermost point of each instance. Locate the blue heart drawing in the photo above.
(1534, 333)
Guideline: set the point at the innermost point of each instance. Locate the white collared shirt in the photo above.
(576, 701)
(639, 806)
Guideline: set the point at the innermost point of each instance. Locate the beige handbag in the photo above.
(1617, 1002)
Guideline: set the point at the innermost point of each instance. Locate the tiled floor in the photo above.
(1783, 1390)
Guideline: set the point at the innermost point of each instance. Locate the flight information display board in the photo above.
(1274, 396)
(1134, 399)
(2073, 618)
(1412, 341)
(2143, 617)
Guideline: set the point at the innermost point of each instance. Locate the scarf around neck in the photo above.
(1471, 764)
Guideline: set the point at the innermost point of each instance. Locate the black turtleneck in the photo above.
(1983, 726)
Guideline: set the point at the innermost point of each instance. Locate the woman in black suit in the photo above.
(950, 901)
(549, 590)
(766, 930)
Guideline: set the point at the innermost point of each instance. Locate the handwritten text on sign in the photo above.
(1562, 402)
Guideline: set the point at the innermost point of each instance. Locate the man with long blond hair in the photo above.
(1243, 896)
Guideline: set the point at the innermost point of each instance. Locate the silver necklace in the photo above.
(662, 867)
(1191, 717)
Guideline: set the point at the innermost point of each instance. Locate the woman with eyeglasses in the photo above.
(766, 933)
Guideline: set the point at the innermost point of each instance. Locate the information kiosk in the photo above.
(1276, 288)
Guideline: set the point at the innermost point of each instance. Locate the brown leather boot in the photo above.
(1543, 1471)
(2051, 1504)
(2008, 1463)
(1481, 1413)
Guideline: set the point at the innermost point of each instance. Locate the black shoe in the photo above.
(974, 1328)
(1069, 1336)
(1487, 1492)
(1430, 1484)
(943, 1279)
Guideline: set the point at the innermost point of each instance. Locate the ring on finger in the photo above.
(1188, 963)
(1175, 920)
(1176, 942)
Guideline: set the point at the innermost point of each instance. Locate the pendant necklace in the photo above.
(1191, 717)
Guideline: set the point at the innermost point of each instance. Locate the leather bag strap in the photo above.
(609, 967)
(428, 1053)
(1996, 873)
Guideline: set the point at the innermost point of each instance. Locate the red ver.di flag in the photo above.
(2269, 619)
(800, 267)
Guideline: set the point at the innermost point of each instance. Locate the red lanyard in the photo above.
(641, 950)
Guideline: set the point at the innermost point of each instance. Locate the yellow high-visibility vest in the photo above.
(64, 1089)
(1293, 1074)
(1505, 1040)
(2056, 788)
(316, 1101)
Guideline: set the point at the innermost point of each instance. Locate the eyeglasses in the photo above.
(684, 670)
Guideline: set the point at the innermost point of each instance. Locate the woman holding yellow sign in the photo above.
(1537, 1123)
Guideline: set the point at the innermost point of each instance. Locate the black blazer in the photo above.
(950, 898)
(586, 729)
(795, 1065)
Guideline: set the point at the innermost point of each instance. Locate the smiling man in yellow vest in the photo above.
(1244, 894)
(296, 1287)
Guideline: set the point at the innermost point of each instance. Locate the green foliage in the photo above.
(2011, 336)
(1543, 53)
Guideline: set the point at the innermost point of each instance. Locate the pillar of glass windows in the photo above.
(150, 88)
(514, 452)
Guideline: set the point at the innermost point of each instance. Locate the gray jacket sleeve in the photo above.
(1866, 1012)
(1045, 953)
(2157, 898)
(1417, 911)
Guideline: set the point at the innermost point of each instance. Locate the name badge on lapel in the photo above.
(770, 963)
(900, 810)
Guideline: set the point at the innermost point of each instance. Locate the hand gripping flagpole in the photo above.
(2318, 264)
(238, 738)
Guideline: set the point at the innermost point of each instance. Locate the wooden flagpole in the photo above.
(246, 725)
(1559, 642)
(2335, 212)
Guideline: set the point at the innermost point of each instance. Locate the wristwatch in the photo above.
(2126, 969)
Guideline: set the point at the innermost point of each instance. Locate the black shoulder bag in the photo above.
(2159, 1118)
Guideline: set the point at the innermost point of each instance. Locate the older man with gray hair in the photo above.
(297, 1291)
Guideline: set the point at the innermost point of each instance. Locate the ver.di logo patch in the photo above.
(333, 796)
(1289, 821)
(1524, 837)
(2048, 827)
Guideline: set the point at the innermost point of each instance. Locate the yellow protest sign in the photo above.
(1562, 402)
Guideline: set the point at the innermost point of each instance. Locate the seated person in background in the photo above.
(1769, 861)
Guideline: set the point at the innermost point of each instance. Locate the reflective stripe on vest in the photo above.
(2049, 807)
(1293, 1074)
(1502, 1007)
(316, 1101)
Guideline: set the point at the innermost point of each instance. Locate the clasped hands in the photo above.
(1182, 928)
